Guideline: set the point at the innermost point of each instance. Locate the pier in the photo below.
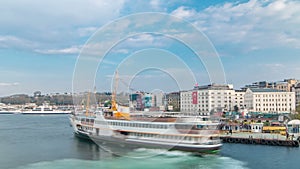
(259, 139)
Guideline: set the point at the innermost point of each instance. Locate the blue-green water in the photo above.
(47, 142)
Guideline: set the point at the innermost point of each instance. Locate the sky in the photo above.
(44, 43)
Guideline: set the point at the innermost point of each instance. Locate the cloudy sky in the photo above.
(40, 41)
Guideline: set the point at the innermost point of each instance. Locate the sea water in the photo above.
(47, 142)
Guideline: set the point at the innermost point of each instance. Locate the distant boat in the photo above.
(10, 111)
(6, 112)
(45, 110)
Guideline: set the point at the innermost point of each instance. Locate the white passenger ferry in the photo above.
(120, 129)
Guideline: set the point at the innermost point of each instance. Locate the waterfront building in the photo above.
(147, 100)
(136, 101)
(297, 94)
(239, 99)
(269, 101)
(173, 99)
(204, 99)
(285, 85)
(142, 101)
(158, 99)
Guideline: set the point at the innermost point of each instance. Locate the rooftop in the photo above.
(214, 86)
(265, 90)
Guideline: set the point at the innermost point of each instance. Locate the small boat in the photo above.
(10, 111)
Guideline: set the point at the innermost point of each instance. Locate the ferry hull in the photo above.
(82, 135)
(116, 144)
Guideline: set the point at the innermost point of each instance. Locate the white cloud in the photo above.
(121, 51)
(141, 41)
(87, 31)
(141, 38)
(155, 4)
(70, 50)
(273, 65)
(8, 84)
(7, 41)
(255, 24)
(56, 23)
(184, 12)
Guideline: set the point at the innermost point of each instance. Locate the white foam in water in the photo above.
(182, 160)
(156, 152)
(230, 163)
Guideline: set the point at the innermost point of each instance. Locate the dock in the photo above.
(259, 139)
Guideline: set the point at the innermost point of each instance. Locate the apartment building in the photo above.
(267, 100)
(204, 99)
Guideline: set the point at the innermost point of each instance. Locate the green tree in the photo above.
(236, 108)
(267, 123)
(298, 109)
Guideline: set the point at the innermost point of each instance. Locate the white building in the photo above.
(239, 99)
(256, 127)
(269, 101)
(297, 93)
(158, 98)
(204, 99)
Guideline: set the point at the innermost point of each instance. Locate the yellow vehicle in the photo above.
(274, 129)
